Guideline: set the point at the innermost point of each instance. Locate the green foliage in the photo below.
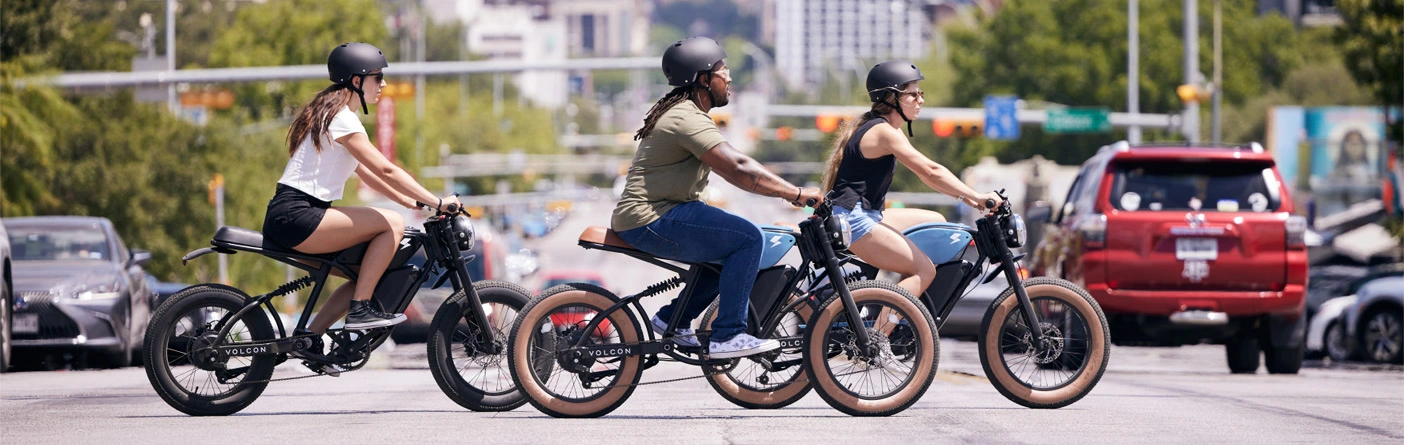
(1372, 40)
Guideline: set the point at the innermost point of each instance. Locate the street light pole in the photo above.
(171, 100)
(1133, 70)
(1191, 117)
(1216, 132)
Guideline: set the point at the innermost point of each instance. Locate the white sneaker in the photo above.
(741, 345)
(684, 336)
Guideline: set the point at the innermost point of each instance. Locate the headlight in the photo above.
(840, 233)
(1015, 231)
(102, 292)
(463, 232)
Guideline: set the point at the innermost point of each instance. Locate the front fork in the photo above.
(464, 282)
(835, 272)
(1011, 274)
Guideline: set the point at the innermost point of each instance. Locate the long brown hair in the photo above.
(316, 116)
(844, 133)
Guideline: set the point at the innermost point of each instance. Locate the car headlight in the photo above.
(102, 292)
(1016, 233)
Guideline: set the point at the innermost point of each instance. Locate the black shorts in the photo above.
(292, 216)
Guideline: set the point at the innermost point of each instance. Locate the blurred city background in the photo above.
(168, 117)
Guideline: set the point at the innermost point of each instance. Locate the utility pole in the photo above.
(1133, 70)
(1215, 133)
(171, 99)
(419, 81)
(1191, 117)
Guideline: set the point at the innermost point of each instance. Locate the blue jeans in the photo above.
(695, 232)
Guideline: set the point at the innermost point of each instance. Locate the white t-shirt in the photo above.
(324, 174)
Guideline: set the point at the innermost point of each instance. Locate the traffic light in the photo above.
(397, 90)
(1191, 93)
(213, 99)
(721, 119)
(964, 129)
(783, 133)
(827, 122)
(213, 186)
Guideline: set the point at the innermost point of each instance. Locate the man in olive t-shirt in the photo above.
(659, 213)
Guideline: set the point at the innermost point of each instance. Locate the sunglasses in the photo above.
(379, 77)
(914, 94)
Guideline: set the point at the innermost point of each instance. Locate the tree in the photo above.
(1373, 42)
(1073, 52)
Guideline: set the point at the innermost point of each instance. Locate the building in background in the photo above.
(817, 39)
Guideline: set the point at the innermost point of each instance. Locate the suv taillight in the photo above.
(1094, 231)
(1296, 231)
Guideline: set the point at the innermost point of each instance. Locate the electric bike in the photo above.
(1049, 367)
(211, 349)
(579, 351)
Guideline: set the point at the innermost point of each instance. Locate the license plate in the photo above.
(26, 324)
(1196, 248)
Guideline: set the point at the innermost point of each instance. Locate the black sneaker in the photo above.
(365, 315)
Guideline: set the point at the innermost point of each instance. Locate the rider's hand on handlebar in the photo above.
(982, 202)
(450, 204)
(808, 197)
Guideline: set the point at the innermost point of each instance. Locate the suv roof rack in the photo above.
(1124, 145)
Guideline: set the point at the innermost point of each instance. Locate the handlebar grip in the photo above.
(811, 202)
(451, 208)
(989, 203)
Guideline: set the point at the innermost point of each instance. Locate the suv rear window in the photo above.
(1169, 185)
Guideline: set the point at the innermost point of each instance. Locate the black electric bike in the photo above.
(1049, 367)
(211, 349)
(579, 351)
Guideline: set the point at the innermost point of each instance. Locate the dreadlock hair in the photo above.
(316, 116)
(674, 97)
(845, 132)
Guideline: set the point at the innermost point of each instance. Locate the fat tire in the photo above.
(158, 371)
(779, 397)
(440, 345)
(1099, 344)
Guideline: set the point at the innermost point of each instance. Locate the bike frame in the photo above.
(441, 253)
(816, 252)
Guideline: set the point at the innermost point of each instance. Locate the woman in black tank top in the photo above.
(860, 170)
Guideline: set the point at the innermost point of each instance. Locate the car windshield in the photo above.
(1205, 186)
(57, 244)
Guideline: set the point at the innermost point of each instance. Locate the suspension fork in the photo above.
(1011, 275)
(835, 272)
(458, 269)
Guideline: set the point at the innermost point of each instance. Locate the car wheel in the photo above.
(1243, 353)
(1380, 336)
(1338, 345)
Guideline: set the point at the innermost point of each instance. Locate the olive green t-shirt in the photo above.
(668, 169)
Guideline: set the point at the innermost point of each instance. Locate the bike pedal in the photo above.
(327, 369)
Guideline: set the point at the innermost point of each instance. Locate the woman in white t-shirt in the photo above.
(327, 143)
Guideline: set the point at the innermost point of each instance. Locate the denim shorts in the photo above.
(860, 220)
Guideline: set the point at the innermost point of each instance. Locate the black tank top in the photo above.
(860, 179)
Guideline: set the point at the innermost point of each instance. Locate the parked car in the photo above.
(78, 290)
(7, 299)
(1183, 244)
(1326, 333)
(553, 278)
(489, 263)
(1376, 320)
(161, 290)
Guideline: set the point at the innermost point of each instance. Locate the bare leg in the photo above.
(885, 248)
(903, 219)
(343, 227)
(335, 308)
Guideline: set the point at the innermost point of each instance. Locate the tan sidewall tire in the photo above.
(999, 374)
(816, 365)
(752, 399)
(630, 370)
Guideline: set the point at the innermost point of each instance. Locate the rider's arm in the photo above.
(387, 172)
(746, 173)
(934, 175)
(380, 186)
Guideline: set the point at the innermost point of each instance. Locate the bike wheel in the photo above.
(897, 369)
(178, 360)
(749, 384)
(1075, 350)
(575, 385)
(474, 377)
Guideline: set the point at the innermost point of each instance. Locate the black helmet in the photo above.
(890, 75)
(684, 59)
(352, 59)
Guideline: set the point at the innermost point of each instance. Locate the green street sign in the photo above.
(1077, 120)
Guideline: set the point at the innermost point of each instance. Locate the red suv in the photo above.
(1183, 244)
